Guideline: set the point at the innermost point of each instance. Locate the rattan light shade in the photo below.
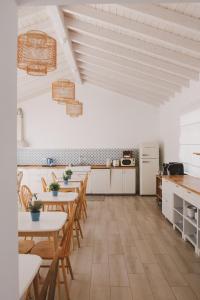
(36, 53)
(63, 91)
(75, 109)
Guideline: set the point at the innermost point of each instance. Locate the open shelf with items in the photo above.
(190, 232)
(178, 221)
(159, 188)
(186, 219)
(178, 204)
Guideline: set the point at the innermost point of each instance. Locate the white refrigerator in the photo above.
(149, 167)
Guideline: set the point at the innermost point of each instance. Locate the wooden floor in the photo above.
(130, 251)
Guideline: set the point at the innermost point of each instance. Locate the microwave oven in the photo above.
(127, 162)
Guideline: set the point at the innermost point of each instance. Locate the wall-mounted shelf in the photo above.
(196, 153)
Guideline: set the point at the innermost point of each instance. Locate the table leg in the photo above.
(36, 287)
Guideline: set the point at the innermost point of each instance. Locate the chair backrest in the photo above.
(25, 196)
(44, 185)
(49, 287)
(54, 177)
(67, 236)
(19, 180)
(80, 201)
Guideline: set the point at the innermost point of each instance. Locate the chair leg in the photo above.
(65, 278)
(58, 286)
(68, 263)
(77, 235)
(36, 287)
(80, 229)
(84, 208)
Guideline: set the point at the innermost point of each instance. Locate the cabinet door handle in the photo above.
(188, 192)
(146, 162)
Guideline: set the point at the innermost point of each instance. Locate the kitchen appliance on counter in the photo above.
(149, 167)
(115, 162)
(127, 162)
(50, 162)
(173, 168)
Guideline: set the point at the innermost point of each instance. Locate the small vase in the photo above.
(35, 216)
(65, 182)
(55, 193)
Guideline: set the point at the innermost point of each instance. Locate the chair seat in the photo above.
(45, 249)
(25, 246)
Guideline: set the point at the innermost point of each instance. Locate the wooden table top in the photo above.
(189, 182)
(49, 222)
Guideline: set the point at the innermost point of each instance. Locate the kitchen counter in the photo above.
(186, 181)
(64, 166)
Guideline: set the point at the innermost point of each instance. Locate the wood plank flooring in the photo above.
(130, 252)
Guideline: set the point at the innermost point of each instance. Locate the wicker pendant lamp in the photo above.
(63, 91)
(36, 53)
(75, 109)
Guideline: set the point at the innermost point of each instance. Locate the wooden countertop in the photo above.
(188, 182)
(64, 166)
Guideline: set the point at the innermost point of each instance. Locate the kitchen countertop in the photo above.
(186, 181)
(64, 166)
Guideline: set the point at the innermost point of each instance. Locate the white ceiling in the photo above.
(145, 51)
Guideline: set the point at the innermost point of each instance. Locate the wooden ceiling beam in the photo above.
(120, 65)
(114, 88)
(166, 15)
(57, 17)
(121, 53)
(109, 78)
(131, 26)
(132, 85)
(97, 71)
(126, 42)
(98, 67)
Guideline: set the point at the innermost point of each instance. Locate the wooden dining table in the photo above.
(28, 267)
(63, 199)
(49, 225)
(71, 186)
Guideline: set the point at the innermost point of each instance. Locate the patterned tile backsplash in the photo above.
(28, 156)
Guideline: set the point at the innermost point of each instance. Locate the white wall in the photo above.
(109, 120)
(8, 211)
(171, 115)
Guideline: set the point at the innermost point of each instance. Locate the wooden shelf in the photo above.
(159, 188)
(196, 153)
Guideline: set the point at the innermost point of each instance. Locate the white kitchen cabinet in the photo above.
(168, 189)
(100, 181)
(129, 181)
(116, 181)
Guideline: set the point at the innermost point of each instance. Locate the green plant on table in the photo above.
(54, 186)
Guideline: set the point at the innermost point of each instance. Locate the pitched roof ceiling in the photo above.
(145, 51)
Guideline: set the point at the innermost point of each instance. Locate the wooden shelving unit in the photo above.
(159, 188)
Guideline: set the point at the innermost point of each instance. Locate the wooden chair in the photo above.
(44, 185)
(25, 196)
(84, 197)
(49, 287)
(46, 249)
(25, 246)
(54, 177)
(78, 214)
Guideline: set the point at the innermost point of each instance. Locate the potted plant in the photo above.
(54, 187)
(69, 173)
(65, 178)
(34, 208)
